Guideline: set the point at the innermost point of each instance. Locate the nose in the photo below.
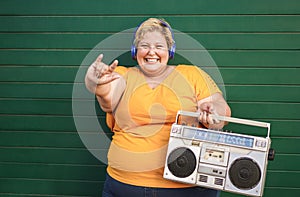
(152, 50)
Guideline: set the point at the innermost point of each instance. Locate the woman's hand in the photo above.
(107, 85)
(100, 73)
(214, 104)
(206, 109)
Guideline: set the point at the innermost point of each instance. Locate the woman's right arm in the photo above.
(106, 84)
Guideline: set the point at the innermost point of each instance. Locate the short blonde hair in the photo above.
(151, 25)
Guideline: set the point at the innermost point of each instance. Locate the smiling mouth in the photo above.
(152, 60)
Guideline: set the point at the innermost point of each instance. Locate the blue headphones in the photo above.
(172, 48)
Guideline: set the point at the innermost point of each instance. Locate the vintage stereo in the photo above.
(220, 160)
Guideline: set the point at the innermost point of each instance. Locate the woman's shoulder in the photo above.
(122, 70)
(184, 68)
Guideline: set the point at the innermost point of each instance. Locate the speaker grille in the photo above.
(181, 162)
(203, 178)
(244, 173)
(219, 181)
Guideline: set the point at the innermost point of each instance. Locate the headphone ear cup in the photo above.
(172, 51)
(133, 52)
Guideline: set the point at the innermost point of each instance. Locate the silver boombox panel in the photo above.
(220, 160)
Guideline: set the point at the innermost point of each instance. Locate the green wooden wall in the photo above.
(255, 44)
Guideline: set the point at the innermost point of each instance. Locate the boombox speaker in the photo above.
(220, 160)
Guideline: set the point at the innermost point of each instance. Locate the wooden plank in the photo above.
(83, 40)
(283, 179)
(270, 192)
(48, 123)
(53, 171)
(261, 76)
(39, 187)
(254, 58)
(220, 58)
(281, 111)
(51, 139)
(254, 41)
(187, 23)
(50, 107)
(262, 93)
(284, 162)
(60, 7)
(67, 156)
(209, 41)
(290, 145)
(58, 74)
(37, 90)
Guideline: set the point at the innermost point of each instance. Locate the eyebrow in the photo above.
(151, 43)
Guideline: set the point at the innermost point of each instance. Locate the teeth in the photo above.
(152, 60)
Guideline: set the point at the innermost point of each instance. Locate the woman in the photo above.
(141, 104)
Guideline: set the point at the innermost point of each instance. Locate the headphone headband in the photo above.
(171, 50)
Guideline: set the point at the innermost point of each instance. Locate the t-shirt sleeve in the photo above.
(202, 83)
(121, 70)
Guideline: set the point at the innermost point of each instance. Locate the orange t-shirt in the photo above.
(142, 121)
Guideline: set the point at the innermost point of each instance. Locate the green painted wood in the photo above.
(288, 111)
(37, 90)
(67, 74)
(279, 128)
(116, 7)
(222, 58)
(53, 171)
(261, 93)
(89, 40)
(47, 74)
(45, 123)
(44, 155)
(67, 156)
(283, 111)
(72, 188)
(270, 191)
(287, 145)
(196, 23)
(255, 45)
(97, 172)
(238, 93)
(262, 76)
(38, 187)
(49, 139)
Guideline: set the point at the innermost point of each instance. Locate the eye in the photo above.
(160, 47)
(144, 46)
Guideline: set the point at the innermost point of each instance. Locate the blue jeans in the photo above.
(114, 188)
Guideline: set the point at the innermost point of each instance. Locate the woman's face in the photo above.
(152, 53)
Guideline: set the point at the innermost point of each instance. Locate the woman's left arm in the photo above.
(214, 104)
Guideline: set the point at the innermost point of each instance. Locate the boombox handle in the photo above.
(227, 119)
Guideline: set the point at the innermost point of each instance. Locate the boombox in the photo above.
(220, 160)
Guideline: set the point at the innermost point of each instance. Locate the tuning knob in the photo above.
(271, 154)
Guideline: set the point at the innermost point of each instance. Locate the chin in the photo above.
(152, 67)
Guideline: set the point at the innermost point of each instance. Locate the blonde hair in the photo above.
(151, 25)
